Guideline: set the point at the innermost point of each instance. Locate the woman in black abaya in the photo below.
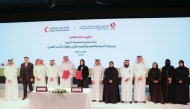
(155, 85)
(111, 89)
(182, 85)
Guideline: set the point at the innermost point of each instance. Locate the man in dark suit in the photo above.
(26, 75)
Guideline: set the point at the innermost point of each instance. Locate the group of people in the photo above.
(167, 86)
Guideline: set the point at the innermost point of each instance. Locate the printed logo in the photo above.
(2, 64)
(112, 26)
(56, 29)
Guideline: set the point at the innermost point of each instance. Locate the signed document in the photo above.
(78, 74)
(65, 74)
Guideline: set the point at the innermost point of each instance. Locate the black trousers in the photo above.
(83, 83)
(25, 83)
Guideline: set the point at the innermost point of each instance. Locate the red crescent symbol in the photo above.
(46, 29)
(2, 64)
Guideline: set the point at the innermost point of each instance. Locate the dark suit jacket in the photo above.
(85, 71)
(26, 73)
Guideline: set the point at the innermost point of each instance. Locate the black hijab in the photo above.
(157, 74)
(167, 63)
(83, 63)
(181, 67)
(156, 67)
(111, 68)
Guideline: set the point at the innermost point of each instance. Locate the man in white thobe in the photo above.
(140, 69)
(11, 83)
(97, 76)
(126, 82)
(66, 65)
(52, 72)
(42, 63)
(39, 74)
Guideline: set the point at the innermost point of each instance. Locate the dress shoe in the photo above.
(23, 98)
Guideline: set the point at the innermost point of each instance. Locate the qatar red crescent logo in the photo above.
(2, 64)
(113, 25)
(46, 29)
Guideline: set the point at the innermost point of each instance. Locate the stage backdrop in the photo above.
(156, 39)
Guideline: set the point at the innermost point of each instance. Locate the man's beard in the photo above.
(126, 65)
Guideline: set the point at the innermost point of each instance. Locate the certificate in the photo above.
(65, 74)
(78, 74)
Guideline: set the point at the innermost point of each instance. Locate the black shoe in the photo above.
(23, 98)
(122, 101)
(93, 100)
(130, 102)
(135, 101)
(100, 100)
(144, 102)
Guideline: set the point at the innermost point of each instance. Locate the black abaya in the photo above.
(182, 89)
(156, 92)
(111, 90)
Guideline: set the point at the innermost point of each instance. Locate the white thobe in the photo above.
(97, 75)
(126, 86)
(39, 71)
(52, 72)
(11, 88)
(139, 89)
(66, 83)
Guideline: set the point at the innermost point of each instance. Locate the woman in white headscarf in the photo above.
(140, 69)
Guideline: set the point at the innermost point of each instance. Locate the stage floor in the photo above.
(24, 104)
